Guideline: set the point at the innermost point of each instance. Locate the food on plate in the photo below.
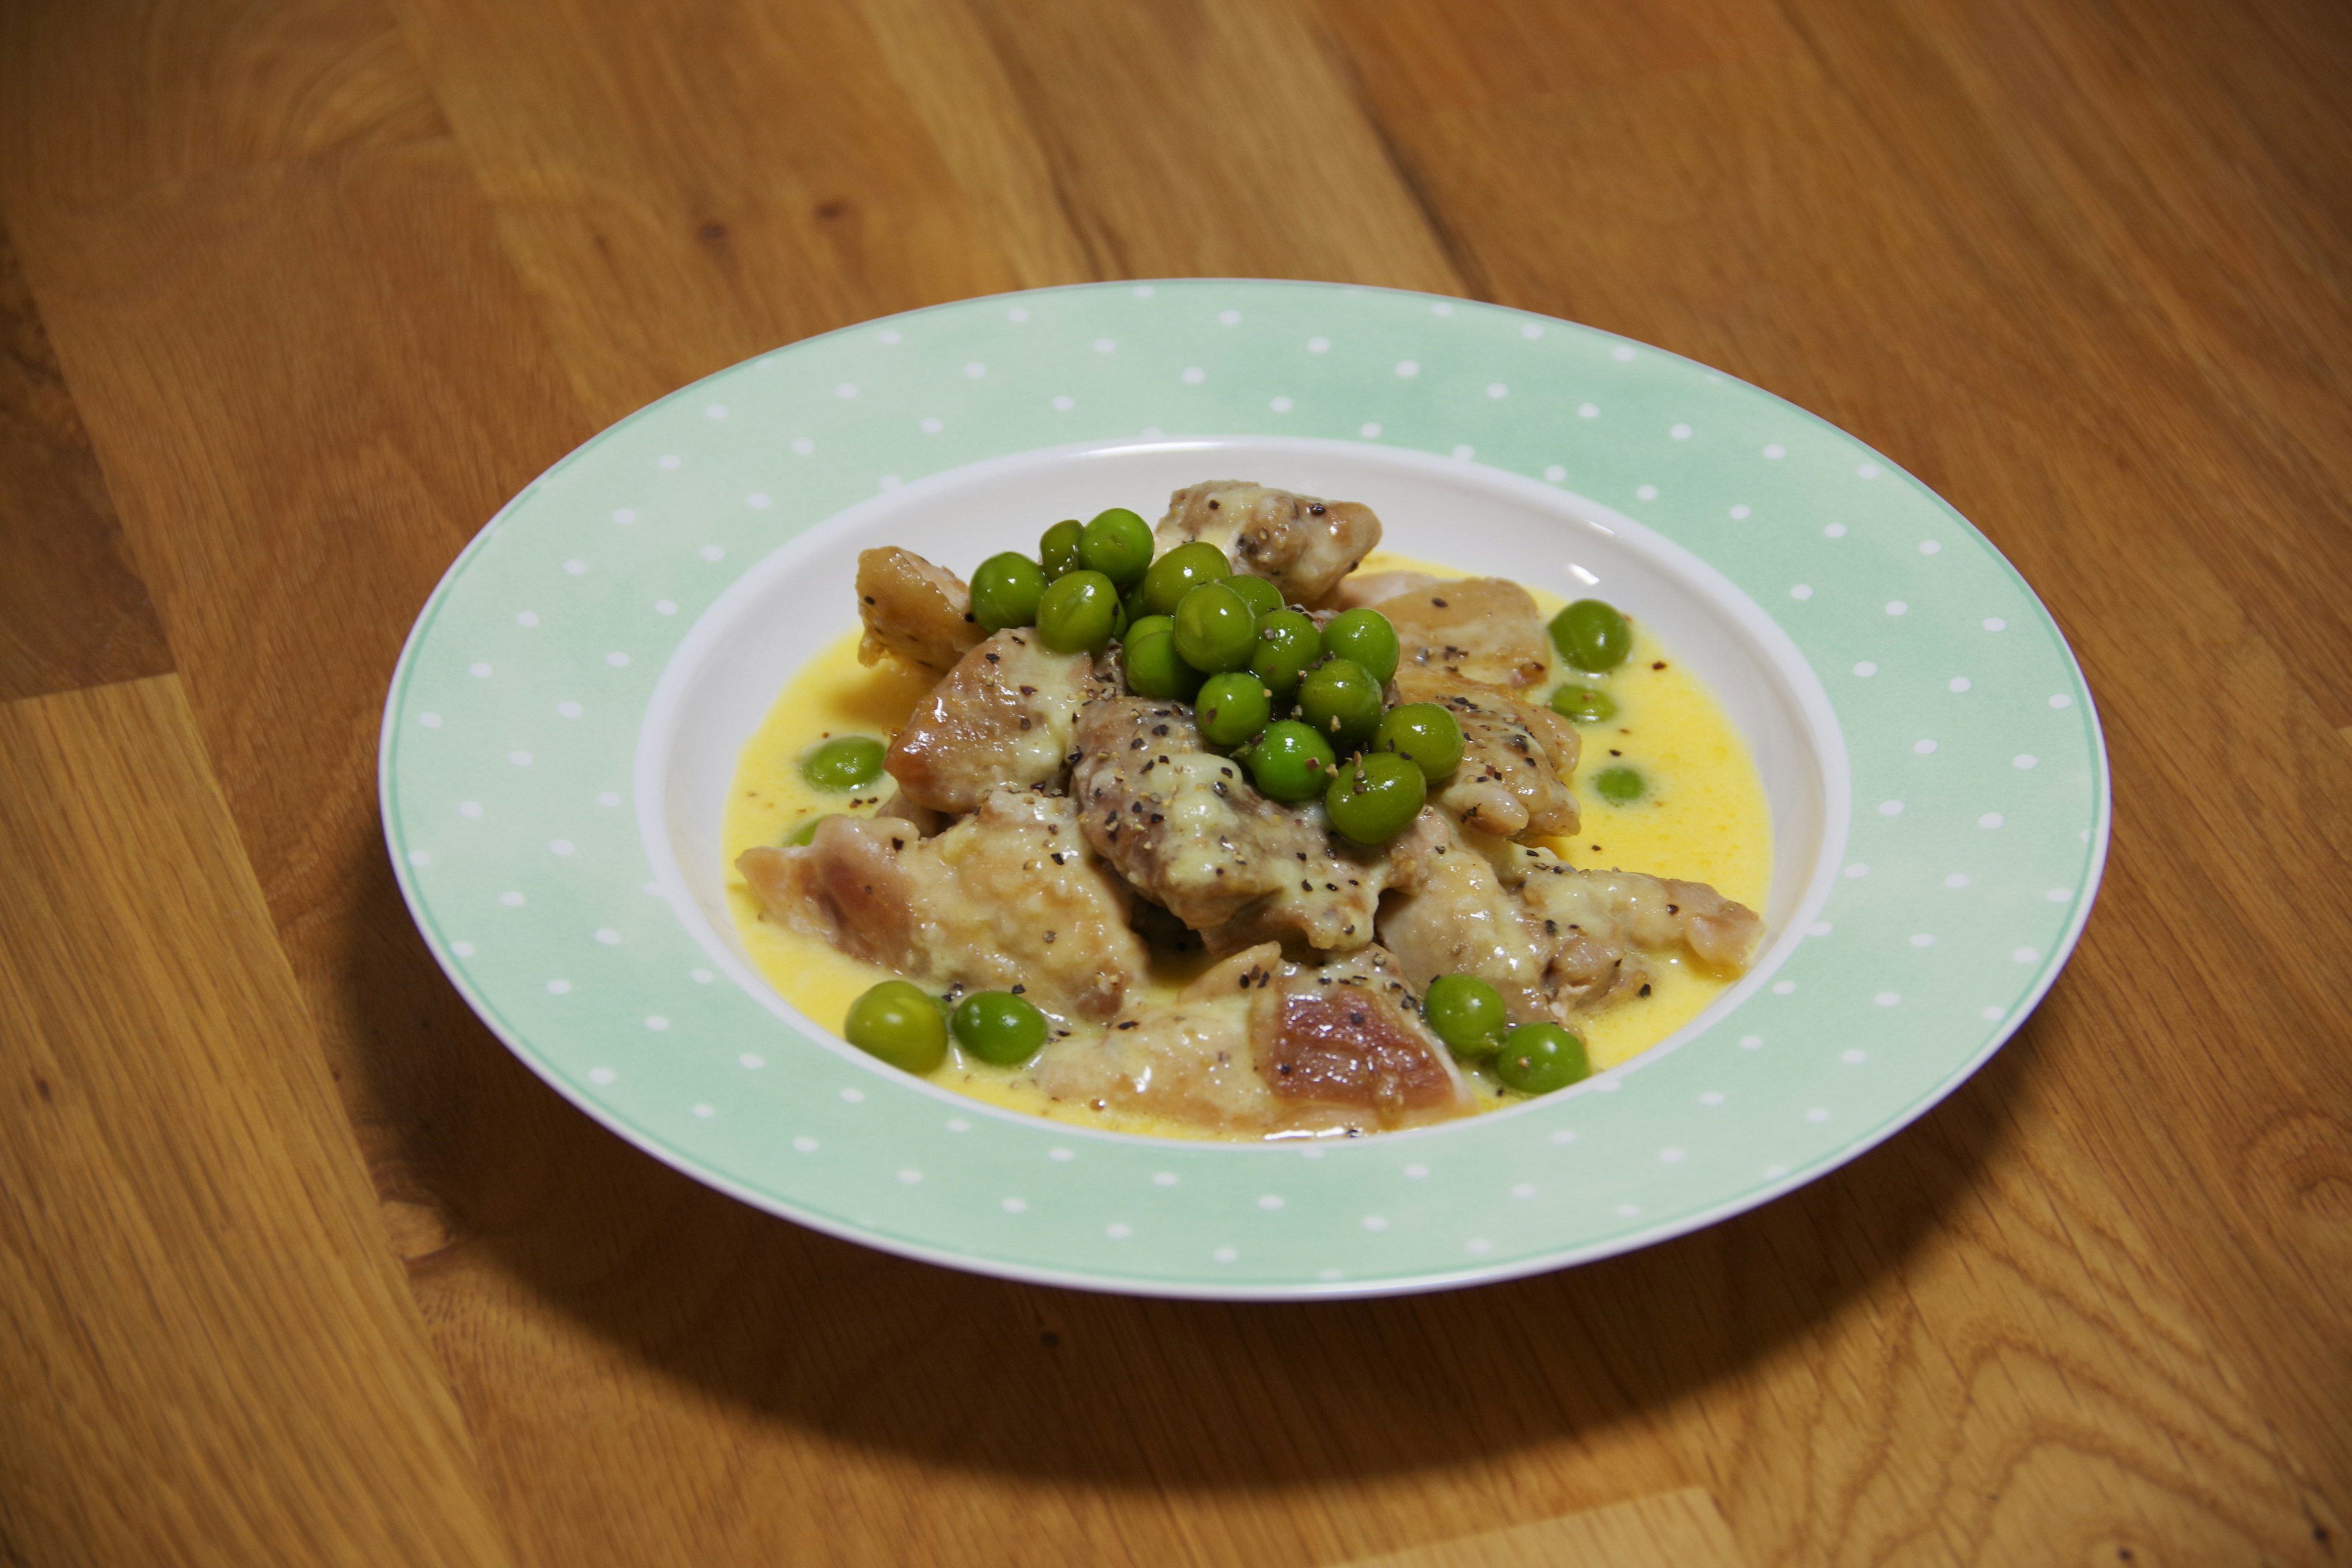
(1232, 827)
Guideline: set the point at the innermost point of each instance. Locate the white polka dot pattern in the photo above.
(519, 700)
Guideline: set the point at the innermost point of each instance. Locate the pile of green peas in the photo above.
(1593, 637)
(1287, 698)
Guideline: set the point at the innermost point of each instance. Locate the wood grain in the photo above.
(1670, 1530)
(328, 279)
(2079, 423)
(209, 1356)
(73, 612)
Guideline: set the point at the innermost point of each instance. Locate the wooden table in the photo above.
(297, 1264)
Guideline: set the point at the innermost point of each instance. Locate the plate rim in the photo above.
(1756, 1196)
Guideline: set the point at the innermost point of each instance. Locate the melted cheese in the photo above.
(1702, 817)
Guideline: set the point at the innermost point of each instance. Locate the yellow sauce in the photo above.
(1702, 818)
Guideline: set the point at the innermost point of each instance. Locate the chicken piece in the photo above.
(1188, 829)
(1349, 1035)
(1256, 1044)
(1655, 914)
(1302, 545)
(1360, 590)
(1459, 919)
(1517, 756)
(921, 818)
(1004, 715)
(1189, 1061)
(1482, 628)
(920, 612)
(1009, 896)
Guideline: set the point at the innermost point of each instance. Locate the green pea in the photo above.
(1366, 638)
(1426, 732)
(1619, 785)
(1288, 643)
(1117, 544)
(998, 1026)
(1059, 548)
(901, 1024)
(1342, 701)
(805, 833)
(1375, 797)
(1232, 708)
(1591, 635)
(1077, 612)
(1214, 630)
(1155, 670)
(1144, 625)
(1467, 1013)
(1537, 1058)
(1006, 590)
(844, 762)
(1583, 705)
(1180, 571)
(1290, 762)
(1261, 596)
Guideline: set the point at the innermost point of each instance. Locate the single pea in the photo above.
(1154, 670)
(1619, 785)
(1144, 625)
(1287, 643)
(901, 1024)
(1583, 704)
(1059, 548)
(1261, 596)
(1426, 732)
(1006, 590)
(1232, 708)
(1365, 637)
(1342, 701)
(1537, 1058)
(1214, 630)
(1117, 544)
(998, 1026)
(1467, 1013)
(844, 762)
(1077, 612)
(1180, 571)
(1591, 635)
(1375, 797)
(1290, 762)
(805, 833)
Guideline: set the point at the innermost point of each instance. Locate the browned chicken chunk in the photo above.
(1517, 756)
(1302, 545)
(1009, 896)
(1349, 1035)
(1361, 590)
(1482, 628)
(1187, 828)
(1004, 715)
(1459, 919)
(1632, 908)
(920, 612)
(1257, 1045)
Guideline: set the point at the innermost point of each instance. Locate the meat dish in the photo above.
(1234, 829)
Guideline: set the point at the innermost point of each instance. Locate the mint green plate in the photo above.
(560, 734)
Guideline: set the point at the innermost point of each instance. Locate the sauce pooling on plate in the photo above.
(1237, 828)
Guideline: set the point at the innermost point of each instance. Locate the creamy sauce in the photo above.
(1702, 817)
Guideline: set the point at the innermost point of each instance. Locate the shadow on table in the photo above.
(865, 1350)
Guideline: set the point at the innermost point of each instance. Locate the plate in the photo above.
(564, 719)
